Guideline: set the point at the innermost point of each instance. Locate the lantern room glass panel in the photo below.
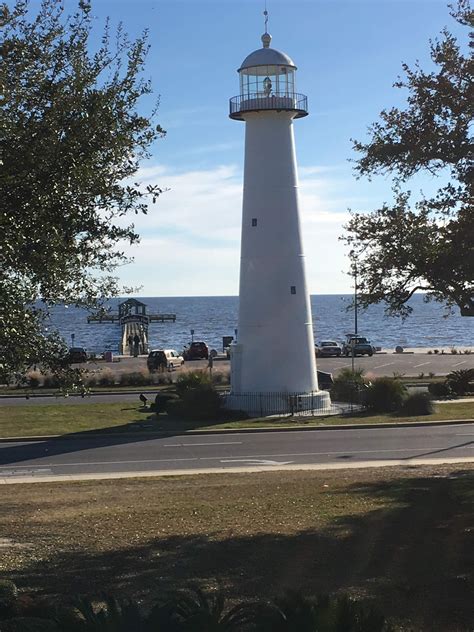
(267, 81)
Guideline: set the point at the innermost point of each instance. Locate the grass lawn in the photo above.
(49, 419)
(400, 536)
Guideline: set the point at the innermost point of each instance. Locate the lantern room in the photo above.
(267, 82)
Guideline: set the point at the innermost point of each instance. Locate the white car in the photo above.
(164, 358)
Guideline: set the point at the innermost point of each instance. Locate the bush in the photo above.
(459, 380)
(192, 380)
(106, 377)
(417, 404)
(385, 395)
(51, 381)
(440, 389)
(34, 379)
(8, 597)
(201, 402)
(28, 624)
(136, 378)
(348, 386)
(161, 401)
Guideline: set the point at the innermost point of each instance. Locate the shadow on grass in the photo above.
(414, 557)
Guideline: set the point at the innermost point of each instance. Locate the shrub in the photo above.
(385, 395)
(33, 379)
(136, 378)
(200, 402)
(459, 380)
(28, 624)
(348, 385)
(440, 389)
(51, 381)
(192, 380)
(417, 404)
(106, 377)
(8, 597)
(454, 351)
(161, 401)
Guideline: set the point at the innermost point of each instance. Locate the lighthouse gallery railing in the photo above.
(254, 102)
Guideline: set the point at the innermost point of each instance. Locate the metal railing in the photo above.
(280, 403)
(257, 101)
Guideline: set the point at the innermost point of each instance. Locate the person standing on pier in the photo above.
(130, 344)
(136, 345)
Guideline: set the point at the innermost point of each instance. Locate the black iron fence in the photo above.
(255, 102)
(280, 403)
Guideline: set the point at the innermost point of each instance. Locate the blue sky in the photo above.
(348, 54)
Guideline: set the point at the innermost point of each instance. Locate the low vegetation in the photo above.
(191, 610)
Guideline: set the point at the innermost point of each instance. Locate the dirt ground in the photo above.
(403, 537)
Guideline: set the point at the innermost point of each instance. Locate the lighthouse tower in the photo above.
(273, 366)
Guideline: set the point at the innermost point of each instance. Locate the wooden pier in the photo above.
(133, 318)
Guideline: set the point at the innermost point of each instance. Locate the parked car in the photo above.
(196, 351)
(77, 354)
(327, 348)
(161, 359)
(360, 345)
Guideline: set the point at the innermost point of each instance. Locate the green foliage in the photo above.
(459, 380)
(194, 610)
(385, 395)
(72, 138)
(8, 597)
(295, 611)
(200, 402)
(191, 380)
(416, 404)
(349, 386)
(28, 624)
(440, 389)
(161, 401)
(427, 244)
(135, 378)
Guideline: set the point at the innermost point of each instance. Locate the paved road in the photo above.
(109, 455)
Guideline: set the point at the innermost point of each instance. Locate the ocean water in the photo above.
(213, 317)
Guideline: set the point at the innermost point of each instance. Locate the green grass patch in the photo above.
(61, 419)
(400, 537)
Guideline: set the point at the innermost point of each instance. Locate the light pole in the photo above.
(192, 336)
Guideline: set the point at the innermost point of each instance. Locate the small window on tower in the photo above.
(254, 221)
(293, 289)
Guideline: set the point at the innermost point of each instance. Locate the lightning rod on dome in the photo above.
(265, 13)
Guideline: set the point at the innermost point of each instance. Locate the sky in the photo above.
(348, 54)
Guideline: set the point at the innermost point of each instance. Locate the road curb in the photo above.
(255, 469)
(78, 395)
(177, 431)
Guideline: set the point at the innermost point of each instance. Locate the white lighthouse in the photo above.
(273, 365)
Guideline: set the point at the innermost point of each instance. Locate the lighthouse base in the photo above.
(266, 404)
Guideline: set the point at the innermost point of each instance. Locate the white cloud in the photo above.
(191, 236)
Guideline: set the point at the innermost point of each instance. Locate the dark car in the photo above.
(359, 344)
(76, 355)
(196, 351)
(328, 348)
(157, 360)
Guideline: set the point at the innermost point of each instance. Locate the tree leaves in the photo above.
(427, 245)
(72, 135)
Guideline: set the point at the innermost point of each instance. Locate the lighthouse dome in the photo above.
(266, 56)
